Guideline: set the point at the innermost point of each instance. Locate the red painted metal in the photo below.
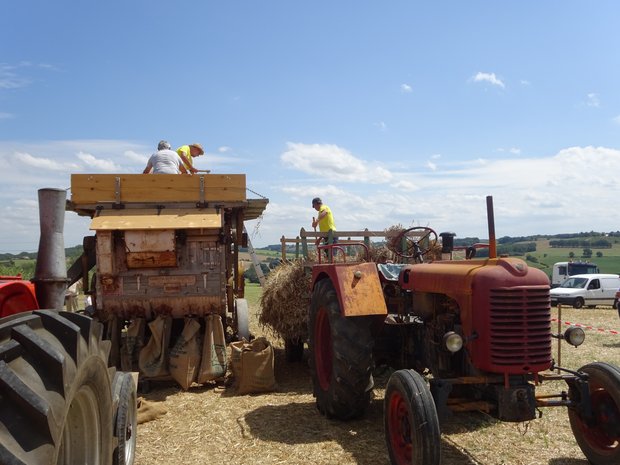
(16, 295)
(357, 285)
(504, 308)
(323, 349)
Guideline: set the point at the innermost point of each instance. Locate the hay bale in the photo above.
(285, 301)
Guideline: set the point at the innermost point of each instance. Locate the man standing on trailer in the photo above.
(188, 153)
(325, 219)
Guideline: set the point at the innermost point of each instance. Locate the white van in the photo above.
(586, 289)
(564, 270)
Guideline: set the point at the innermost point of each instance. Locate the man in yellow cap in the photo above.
(187, 154)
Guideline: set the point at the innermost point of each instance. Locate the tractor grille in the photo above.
(520, 324)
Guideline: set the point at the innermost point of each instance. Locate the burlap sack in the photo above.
(153, 360)
(185, 354)
(131, 343)
(214, 363)
(253, 366)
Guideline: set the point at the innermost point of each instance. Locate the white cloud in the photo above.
(593, 100)
(224, 149)
(97, 163)
(569, 191)
(406, 88)
(4, 115)
(488, 77)
(512, 150)
(616, 119)
(334, 163)
(525, 82)
(382, 126)
(10, 77)
(137, 157)
(40, 163)
(432, 166)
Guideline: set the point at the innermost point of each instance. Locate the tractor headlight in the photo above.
(452, 341)
(574, 336)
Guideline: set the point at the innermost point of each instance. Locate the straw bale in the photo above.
(285, 300)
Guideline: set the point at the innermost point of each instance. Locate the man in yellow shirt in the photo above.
(187, 154)
(325, 220)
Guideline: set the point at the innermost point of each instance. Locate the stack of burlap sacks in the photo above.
(198, 356)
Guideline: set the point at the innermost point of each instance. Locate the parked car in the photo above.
(587, 289)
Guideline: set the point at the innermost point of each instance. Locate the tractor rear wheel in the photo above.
(599, 439)
(412, 430)
(340, 351)
(55, 390)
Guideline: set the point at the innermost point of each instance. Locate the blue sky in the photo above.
(399, 112)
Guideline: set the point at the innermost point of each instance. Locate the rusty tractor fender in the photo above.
(357, 285)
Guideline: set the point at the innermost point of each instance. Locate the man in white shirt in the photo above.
(164, 161)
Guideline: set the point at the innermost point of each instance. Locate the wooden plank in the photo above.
(167, 218)
(98, 188)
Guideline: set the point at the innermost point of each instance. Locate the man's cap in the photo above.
(317, 200)
(163, 145)
(199, 147)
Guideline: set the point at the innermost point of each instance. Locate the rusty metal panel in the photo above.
(151, 218)
(150, 249)
(195, 286)
(359, 289)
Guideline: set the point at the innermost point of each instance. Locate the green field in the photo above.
(547, 256)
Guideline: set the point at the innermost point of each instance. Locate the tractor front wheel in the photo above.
(599, 437)
(340, 351)
(412, 430)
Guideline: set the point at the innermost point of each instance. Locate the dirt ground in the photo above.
(209, 424)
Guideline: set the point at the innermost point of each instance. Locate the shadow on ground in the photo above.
(301, 423)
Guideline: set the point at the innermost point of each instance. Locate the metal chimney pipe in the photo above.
(50, 275)
(491, 221)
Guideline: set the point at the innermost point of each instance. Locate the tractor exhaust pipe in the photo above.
(50, 275)
(491, 222)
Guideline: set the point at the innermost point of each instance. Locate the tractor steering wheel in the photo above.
(414, 242)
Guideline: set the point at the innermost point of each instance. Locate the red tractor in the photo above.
(60, 401)
(463, 335)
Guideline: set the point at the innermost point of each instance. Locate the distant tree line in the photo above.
(582, 243)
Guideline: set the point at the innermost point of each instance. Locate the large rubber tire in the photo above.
(340, 360)
(126, 421)
(242, 319)
(578, 303)
(412, 431)
(599, 440)
(55, 390)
